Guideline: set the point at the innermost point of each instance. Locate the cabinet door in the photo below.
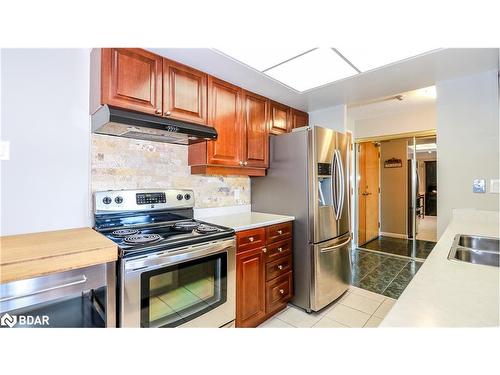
(184, 93)
(225, 115)
(279, 121)
(131, 79)
(299, 118)
(250, 288)
(256, 140)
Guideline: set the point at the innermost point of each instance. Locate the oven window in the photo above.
(174, 295)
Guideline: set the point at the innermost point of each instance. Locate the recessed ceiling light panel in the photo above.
(313, 69)
(262, 58)
(374, 57)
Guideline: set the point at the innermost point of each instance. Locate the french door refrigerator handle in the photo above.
(342, 183)
(334, 185)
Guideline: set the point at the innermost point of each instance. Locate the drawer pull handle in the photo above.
(250, 239)
(264, 250)
(280, 267)
(280, 231)
(282, 291)
(280, 249)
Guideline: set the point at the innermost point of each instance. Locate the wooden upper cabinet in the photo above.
(184, 92)
(225, 115)
(256, 145)
(131, 78)
(279, 121)
(299, 118)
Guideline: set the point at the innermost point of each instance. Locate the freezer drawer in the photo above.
(332, 271)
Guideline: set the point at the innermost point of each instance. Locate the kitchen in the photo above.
(188, 192)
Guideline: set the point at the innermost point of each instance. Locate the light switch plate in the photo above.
(4, 150)
(479, 185)
(495, 186)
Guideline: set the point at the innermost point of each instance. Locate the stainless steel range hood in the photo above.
(122, 123)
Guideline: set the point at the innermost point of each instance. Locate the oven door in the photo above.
(193, 286)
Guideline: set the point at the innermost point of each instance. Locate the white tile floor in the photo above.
(356, 308)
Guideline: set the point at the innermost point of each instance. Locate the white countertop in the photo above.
(248, 220)
(447, 293)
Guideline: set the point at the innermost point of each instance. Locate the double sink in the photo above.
(476, 249)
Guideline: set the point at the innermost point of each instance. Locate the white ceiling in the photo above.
(410, 74)
(391, 105)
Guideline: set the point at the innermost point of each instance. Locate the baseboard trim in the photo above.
(394, 235)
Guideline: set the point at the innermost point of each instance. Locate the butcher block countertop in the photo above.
(35, 254)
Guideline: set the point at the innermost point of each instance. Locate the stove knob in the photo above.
(106, 200)
(187, 197)
(118, 199)
(179, 197)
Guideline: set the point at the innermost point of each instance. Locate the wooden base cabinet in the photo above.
(263, 273)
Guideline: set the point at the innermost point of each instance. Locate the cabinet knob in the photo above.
(241, 163)
(280, 249)
(280, 232)
(282, 291)
(245, 163)
(250, 239)
(158, 111)
(167, 113)
(264, 250)
(280, 267)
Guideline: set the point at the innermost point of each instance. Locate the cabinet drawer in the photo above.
(251, 239)
(278, 232)
(278, 267)
(278, 292)
(278, 249)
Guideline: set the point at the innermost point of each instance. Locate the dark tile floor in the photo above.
(382, 274)
(399, 246)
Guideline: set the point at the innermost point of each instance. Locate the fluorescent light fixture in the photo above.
(262, 58)
(427, 92)
(374, 57)
(313, 69)
(425, 147)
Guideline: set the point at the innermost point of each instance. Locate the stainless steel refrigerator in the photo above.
(308, 177)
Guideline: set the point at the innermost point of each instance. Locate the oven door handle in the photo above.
(181, 255)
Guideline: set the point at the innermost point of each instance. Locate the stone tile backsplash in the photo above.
(122, 163)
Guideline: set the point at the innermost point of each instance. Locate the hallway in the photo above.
(427, 228)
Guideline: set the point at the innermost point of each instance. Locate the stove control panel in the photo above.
(142, 200)
(150, 198)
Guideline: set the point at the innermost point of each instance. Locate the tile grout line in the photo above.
(401, 270)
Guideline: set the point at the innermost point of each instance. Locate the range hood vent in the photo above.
(122, 123)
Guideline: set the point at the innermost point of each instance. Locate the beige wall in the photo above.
(467, 138)
(122, 163)
(393, 188)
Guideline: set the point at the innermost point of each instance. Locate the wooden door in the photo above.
(256, 140)
(279, 121)
(131, 79)
(368, 192)
(225, 115)
(299, 118)
(184, 92)
(250, 288)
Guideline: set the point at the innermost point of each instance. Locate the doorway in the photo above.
(396, 195)
(368, 192)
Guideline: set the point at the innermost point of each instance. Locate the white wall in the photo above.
(468, 142)
(331, 117)
(45, 96)
(419, 118)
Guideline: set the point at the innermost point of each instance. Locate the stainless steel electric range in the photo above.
(173, 270)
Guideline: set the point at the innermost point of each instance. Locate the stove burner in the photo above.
(124, 232)
(202, 228)
(186, 226)
(142, 238)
